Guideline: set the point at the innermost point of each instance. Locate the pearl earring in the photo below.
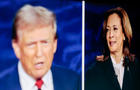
(124, 38)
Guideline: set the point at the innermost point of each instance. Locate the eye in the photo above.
(30, 45)
(115, 28)
(44, 42)
(107, 29)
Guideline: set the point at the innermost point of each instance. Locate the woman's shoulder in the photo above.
(132, 60)
(136, 62)
(133, 64)
(95, 68)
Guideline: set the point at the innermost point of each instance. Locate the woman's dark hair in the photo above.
(127, 30)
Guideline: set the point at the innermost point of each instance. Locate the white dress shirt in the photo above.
(119, 70)
(28, 83)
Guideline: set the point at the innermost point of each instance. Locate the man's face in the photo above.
(35, 49)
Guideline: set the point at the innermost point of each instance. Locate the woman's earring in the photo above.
(124, 38)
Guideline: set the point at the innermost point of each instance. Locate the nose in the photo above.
(39, 50)
(111, 34)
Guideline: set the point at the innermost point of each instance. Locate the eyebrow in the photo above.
(113, 26)
(43, 40)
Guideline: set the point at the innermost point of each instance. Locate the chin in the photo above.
(39, 74)
(112, 50)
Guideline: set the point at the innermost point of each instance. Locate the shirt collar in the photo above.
(114, 62)
(47, 79)
(25, 79)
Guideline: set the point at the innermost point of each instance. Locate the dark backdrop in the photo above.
(69, 29)
(94, 20)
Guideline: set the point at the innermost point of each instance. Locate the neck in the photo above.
(117, 56)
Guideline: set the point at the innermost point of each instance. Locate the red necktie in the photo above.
(39, 83)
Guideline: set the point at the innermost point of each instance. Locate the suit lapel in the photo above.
(17, 80)
(128, 77)
(56, 81)
(110, 74)
(14, 80)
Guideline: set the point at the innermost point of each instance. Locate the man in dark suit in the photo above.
(35, 42)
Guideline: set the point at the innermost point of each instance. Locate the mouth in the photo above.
(111, 43)
(39, 65)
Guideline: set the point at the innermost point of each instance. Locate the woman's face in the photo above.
(114, 35)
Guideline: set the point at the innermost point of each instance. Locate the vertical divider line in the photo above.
(83, 43)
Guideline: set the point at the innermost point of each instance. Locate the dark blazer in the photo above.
(62, 79)
(101, 76)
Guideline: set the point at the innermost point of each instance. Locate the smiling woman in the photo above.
(117, 69)
(119, 20)
(115, 36)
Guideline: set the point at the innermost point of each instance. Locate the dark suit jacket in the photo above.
(101, 76)
(62, 79)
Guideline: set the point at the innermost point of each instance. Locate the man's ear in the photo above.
(16, 48)
(55, 45)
